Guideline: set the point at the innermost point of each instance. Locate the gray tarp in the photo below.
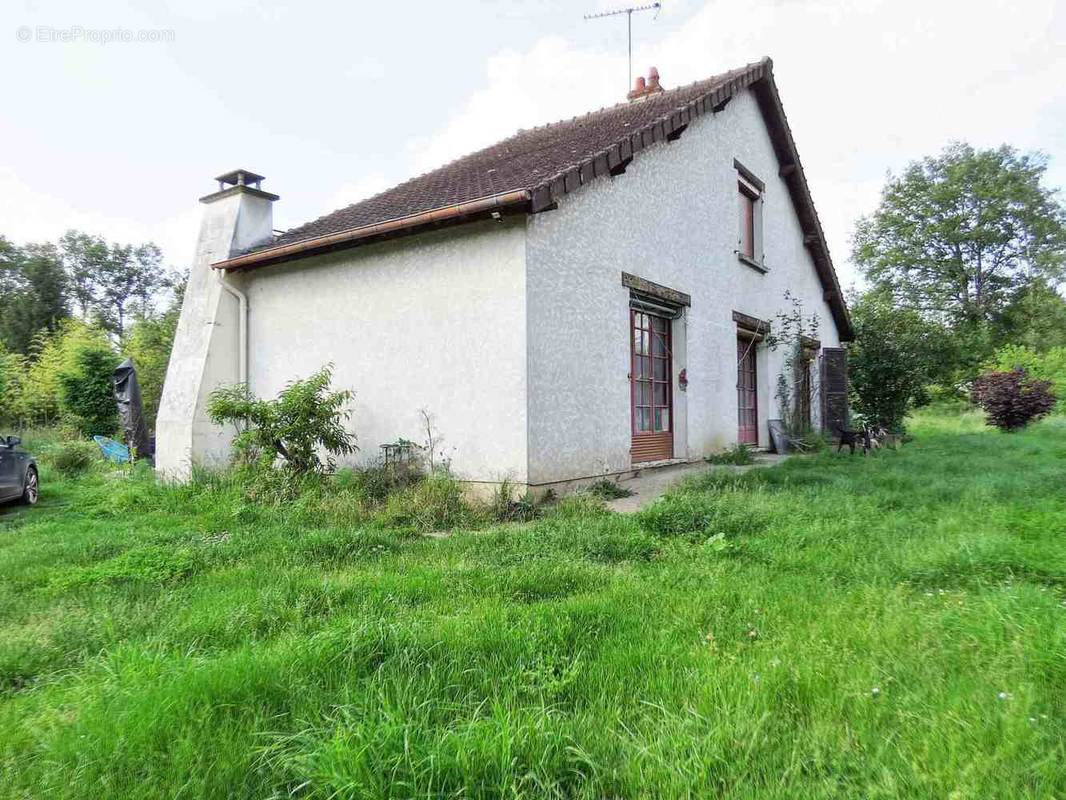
(131, 410)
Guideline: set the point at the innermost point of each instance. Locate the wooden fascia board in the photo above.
(665, 128)
(788, 157)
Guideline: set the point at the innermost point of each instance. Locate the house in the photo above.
(575, 300)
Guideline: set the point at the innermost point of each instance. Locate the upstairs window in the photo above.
(748, 200)
(749, 205)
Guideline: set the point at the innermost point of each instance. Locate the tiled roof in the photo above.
(524, 161)
(529, 171)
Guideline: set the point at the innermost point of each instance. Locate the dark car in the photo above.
(18, 473)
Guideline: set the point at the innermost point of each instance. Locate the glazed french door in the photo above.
(650, 375)
(747, 394)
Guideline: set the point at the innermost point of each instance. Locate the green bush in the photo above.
(86, 398)
(895, 356)
(1047, 366)
(71, 458)
(305, 418)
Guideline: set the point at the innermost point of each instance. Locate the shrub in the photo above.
(306, 417)
(1011, 400)
(71, 458)
(86, 397)
(895, 355)
(65, 377)
(1048, 366)
(739, 455)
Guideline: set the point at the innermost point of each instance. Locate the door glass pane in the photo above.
(660, 369)
(662, 419)
(642, 367)
(643, 394)
(658, 342)
(643, 420)
(660, 394)
(637, 343)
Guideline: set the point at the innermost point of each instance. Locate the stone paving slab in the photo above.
(650, 484)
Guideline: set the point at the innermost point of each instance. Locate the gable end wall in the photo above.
(670, 218)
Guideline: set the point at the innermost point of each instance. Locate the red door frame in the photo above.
(747, 392)
(651, 445)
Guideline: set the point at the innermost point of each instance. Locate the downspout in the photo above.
(242, 325)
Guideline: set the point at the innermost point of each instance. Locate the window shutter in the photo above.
(834, 389)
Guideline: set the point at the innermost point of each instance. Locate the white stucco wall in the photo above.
(435, 321)
(672, 219)
(206, 352)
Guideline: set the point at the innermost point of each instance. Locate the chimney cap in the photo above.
(239, 177)
(238, 181)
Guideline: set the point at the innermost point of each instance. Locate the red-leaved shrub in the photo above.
(1012, 400)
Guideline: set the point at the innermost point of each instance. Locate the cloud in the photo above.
(43, 217)
(553, 80)
(867, 85)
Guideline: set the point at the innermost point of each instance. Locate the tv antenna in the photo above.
(629, 27)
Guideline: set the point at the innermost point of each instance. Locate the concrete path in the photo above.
(650, 484)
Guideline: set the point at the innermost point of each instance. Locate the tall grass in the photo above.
(833, 627)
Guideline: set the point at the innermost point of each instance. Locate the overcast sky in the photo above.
(335, 101)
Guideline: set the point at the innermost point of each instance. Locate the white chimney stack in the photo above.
(210, 343)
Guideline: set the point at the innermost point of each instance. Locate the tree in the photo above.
(895, 354)
(959, 236)
(83, 258)
(1036, 318)
(148, 343)
(130, 275)
(32, 294)
(108, 281)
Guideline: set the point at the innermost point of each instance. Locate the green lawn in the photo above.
(834, 627)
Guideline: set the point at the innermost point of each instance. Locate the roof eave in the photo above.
(517, 200)
(610, 161)
(791, 171)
